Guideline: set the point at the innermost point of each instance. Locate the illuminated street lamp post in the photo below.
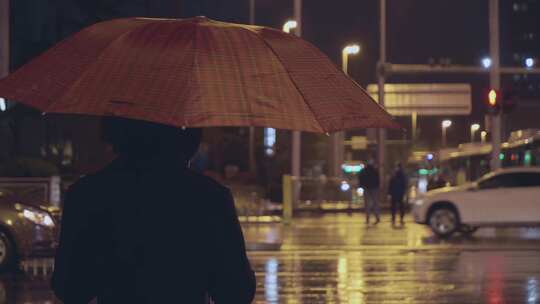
(351, 49)
(296, 136)
(296, 157)
(337, 139)
(474, 127)
(289, 25)
(445, 125)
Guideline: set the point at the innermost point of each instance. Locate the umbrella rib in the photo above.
(293, 82)
(194, 64)
(88, 68)
(354, 82)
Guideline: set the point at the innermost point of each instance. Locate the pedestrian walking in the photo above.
(368, 179)
(397, 190)
(147, 229)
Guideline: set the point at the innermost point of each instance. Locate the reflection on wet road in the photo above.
(25, 289)
(336, 258)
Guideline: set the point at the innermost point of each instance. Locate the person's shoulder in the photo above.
(84, 184)
(88, 183)
(210, 185)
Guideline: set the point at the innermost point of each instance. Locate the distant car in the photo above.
(26, 230)
(508, 197)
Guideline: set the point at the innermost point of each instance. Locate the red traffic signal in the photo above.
(493, 100)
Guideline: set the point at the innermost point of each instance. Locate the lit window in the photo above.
(516, 7)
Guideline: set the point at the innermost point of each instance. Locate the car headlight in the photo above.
(36, 216)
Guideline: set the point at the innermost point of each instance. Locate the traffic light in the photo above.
(493, 101)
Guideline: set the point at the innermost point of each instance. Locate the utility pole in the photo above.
(495, 81)
(337, 140)
(291, 183)
(4, 38)
(381, 138)
(297, 136)
(252, 157)
(252, 12)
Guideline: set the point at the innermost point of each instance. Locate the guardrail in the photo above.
(320, 194)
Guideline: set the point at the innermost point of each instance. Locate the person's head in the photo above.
(143, 140)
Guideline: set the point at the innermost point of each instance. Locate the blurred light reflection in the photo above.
(532, 291)
(271, 281)
(343, 278)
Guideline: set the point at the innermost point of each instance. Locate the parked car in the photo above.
(508, 197)
(26, 228)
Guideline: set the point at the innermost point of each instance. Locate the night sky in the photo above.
(418, 31)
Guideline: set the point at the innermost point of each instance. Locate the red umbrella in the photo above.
(196, 73)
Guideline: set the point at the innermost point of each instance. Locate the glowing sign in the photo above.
(352, 168)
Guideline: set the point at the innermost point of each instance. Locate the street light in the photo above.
(445, 125)
(3, 104)
(474, 127)
(270, 133)
(483, 136)
(351, 49)
(486, 62)
(529, 62)
(337, 140)
(289, 25)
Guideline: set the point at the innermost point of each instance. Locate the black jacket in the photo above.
(369, 178)
(398, 184)
(151, 232)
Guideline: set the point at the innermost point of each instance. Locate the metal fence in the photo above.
(326, 194)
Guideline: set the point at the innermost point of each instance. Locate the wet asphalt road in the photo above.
(336, 258)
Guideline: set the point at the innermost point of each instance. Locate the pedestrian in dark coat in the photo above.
(368, 179)
(147, 229)
(397, 189)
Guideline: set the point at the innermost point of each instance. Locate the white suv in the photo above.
(508, 197)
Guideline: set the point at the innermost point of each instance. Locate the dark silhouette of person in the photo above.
(397, 189)
(368, 179)
(147, 229)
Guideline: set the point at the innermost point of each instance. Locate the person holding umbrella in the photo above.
(147, 228)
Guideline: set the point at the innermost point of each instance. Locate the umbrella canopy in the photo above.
(195, 72)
